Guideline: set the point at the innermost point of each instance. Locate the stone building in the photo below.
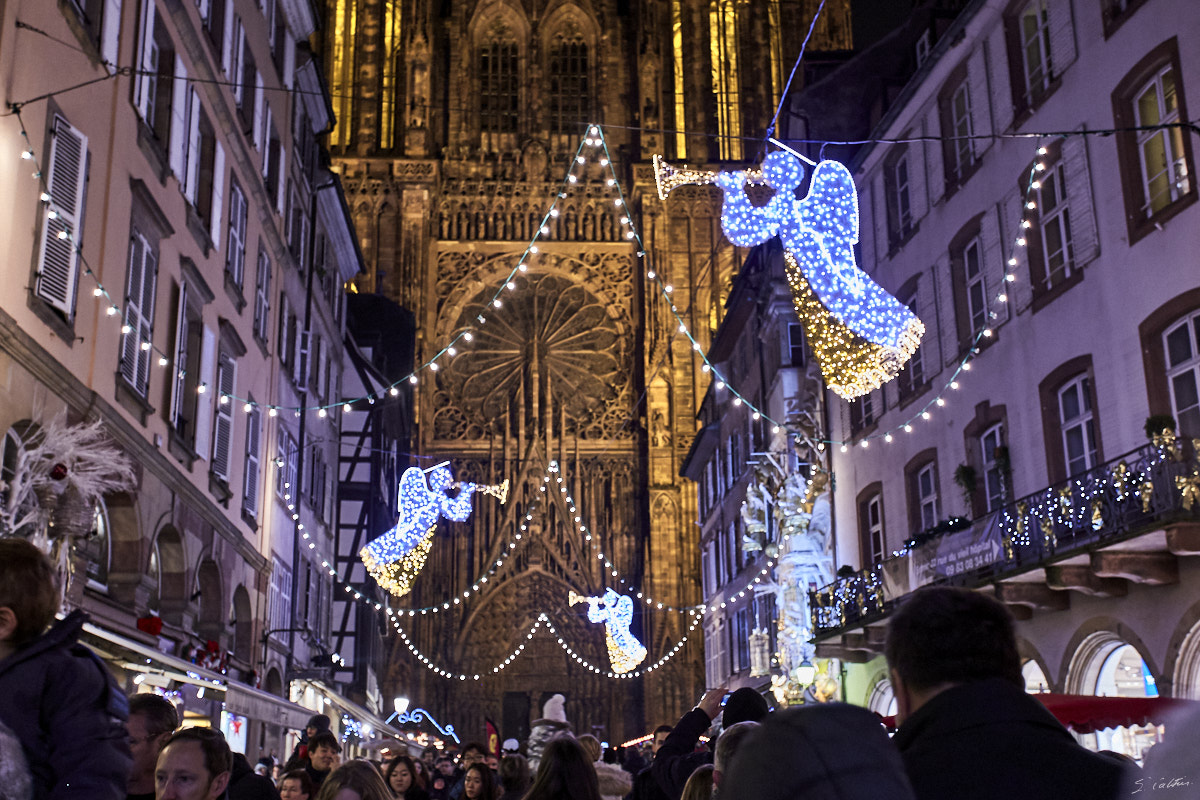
(457, 123)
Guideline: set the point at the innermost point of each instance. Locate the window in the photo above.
(273, 162)
(975, 288)
(280, 598)
(569, 91)
(1033, 39)
(927, 496)
(235, 257)
(911, 380)
(1077, 425)
(1181, 343)
(285, 463)
(101, 23)
(222, 446)
(136, 332)
(1156, 163)
(899, 200)
(968, 268)
(317, 483)
(153, 84)
(297, 232)
(497, 67)
(1057, 250)
(991, 453)
(795, 344)
(62, 223)
(262, 294)
(251, 478)
(958, 146)
(862, 413)
(870, 525)
(194, 361)
(196, 157)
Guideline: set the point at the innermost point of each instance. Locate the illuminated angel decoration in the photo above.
(616, 612)
(395, 558)
(860, 334)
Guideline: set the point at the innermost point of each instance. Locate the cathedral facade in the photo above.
(458, 124)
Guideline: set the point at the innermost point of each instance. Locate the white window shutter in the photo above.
(259, 101)
(144, 79)
(179, 380)
(227, 39)
(218, 197)
(223, 434)
(262, 294)
(281, 183)
(239, 54)
(191, 181)
(180, 113)
(204, 402)
(300, 365)
(289, 59)
(139, 313)
(266, 150)
(250, 484)
(110, 32)
(58, 254)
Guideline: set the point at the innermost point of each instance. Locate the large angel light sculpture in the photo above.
(616, 612)
(395, 558)
(860, 334)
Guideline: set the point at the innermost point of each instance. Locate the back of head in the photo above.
(358, 776)
(157, 711)
(591, 746)
(565, 773)
(826, 751)
(29, 586)
(744, 705)
(699, 784)
(318, 722)
(514, 773)
(217, 756)
(942, 635)
(730, 742)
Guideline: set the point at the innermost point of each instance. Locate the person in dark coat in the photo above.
(56, 696)
(246, 784)
(967, 727)
(677, 759)
(823, 751)
(317, 723)
(324, 755)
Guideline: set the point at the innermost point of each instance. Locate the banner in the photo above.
(493, 738)
(955, 553)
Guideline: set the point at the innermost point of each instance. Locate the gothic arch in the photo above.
(243, 624)
(168, 552)
(568, 17)
(210, 623)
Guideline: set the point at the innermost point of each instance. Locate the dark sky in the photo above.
(872, 19)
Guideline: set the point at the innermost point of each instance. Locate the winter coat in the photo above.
(246, 784)
(614, 782)
(989, 740)
(677, 759)
(63, 703)
(645, 787)
(823, 751)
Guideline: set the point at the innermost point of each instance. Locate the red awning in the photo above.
(1088, 714)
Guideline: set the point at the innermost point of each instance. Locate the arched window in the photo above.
(95, 547)
(569, 101)
(497, 62)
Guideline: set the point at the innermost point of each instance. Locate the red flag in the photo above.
(493, 738)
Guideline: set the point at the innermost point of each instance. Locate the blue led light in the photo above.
(395, 558)
(865, 335)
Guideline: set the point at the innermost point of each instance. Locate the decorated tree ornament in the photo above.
(860, 334)
(1146, 490)
(1189, 488)
(395, 559)
(616, 612)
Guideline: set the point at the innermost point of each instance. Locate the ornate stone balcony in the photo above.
(1124, 521)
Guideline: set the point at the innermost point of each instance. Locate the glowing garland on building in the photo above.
(395, 558)
(615, 611)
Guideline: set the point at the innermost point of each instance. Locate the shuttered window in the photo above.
(139, 313)
(253, 443)
(223, 428)
(58, 253)
(235, 258)
(262, 294)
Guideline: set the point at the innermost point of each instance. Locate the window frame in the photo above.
(925, 460)
(992, 471)
(1190, 365)
(138, 317)
(1084, 420)
(868, 531)
(959, 157)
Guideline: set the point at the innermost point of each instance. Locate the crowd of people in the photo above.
(967, 730)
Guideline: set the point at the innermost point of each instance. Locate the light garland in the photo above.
(396, 557)
(671, 652)
(616, 612)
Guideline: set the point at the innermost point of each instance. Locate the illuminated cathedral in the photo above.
(457, 123)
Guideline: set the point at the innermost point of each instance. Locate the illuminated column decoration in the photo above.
(395, 558)
(860, 334)
(616, 612)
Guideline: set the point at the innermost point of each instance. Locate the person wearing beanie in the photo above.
(825, 751)
(677, 758)
(317, 723)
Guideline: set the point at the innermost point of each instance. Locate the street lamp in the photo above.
(401, 704)
(806, 673)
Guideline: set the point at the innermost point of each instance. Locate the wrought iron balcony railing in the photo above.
(1131, 495)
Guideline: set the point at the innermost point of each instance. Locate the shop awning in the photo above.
(266, 707)
(1088, 714)
(381, 733)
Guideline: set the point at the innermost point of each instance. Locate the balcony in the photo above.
(1123, 521)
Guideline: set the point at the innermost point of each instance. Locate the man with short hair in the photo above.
(727, 746)
(152, 718)
(967, 726)
(324, 753)
(677, 759)
(472, 753)
(194, 764)
(644, 785)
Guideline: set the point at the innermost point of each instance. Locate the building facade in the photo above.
(1054, 271)
(180, 266)
(457, 124)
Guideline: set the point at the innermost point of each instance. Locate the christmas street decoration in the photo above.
(616, 612)
(395, 558)
(860, 334)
